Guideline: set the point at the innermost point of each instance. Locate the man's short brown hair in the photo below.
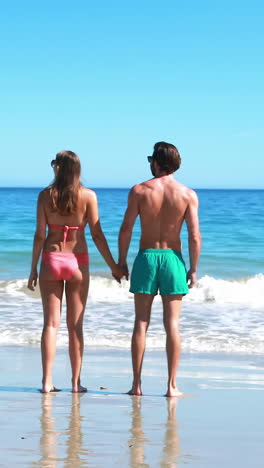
(167, 156)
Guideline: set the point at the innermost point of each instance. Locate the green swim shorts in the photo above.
(159, 269)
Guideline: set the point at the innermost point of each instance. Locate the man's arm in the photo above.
(194, 237)
(125, 232)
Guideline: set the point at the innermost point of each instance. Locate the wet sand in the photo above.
(217, 423)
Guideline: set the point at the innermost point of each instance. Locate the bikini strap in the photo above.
(66, 229)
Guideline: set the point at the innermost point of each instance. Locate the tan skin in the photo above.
(76, 289)
(162, 204)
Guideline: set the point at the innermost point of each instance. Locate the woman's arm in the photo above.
(99, 237)
(39, 238)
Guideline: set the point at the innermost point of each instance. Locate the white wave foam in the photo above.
(13, 287)
(106, 289)
(217, 316)
(111, 340)
(243, 291)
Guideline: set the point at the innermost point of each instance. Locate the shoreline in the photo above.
(216, 423)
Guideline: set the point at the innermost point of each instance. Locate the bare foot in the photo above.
(49, 389)
(173, 392)
(135, 390)
(79, 389)
(132, 392)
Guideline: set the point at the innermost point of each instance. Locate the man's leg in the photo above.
(171, 315)
(143, 303)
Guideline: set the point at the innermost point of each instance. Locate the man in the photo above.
(163, 204)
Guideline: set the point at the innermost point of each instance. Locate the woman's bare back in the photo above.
(75, 241)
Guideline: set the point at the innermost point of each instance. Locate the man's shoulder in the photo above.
(142, 186)
(189, 195)
(184, 189)
(139, 188)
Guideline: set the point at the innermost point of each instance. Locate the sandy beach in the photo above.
(218, 421)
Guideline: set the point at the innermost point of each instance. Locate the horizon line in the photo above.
(128, 188)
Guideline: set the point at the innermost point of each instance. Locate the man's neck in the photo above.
(158, 175)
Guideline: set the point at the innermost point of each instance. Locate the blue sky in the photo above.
(108, 80)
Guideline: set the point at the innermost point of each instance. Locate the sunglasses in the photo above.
(150, 158)
(53, 163)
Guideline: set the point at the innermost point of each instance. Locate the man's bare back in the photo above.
(162, 205)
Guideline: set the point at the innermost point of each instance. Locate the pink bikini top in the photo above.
(66, 230)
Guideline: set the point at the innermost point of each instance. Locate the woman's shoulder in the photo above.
(44, 195)
(88, 194)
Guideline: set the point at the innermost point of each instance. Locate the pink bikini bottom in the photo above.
(64, 265)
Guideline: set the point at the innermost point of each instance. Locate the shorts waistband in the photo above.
(160, 251)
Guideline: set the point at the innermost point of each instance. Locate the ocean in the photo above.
(223, 313)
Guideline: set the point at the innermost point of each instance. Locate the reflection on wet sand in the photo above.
(52, 440)
(171, 450)
(49, 435)
(138, 440)
(76, 455)
(136, 444)
(66, 438)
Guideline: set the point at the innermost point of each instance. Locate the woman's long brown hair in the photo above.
(65, 188)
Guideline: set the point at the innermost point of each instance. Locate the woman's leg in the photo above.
(76, 291)
(51, 294)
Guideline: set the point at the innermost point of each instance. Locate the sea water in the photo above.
(223, 313)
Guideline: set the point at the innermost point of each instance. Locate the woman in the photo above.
(66, 207)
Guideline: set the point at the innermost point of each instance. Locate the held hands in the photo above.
(119, 271)
(32, 280)
(191, 278)
(124, 269)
